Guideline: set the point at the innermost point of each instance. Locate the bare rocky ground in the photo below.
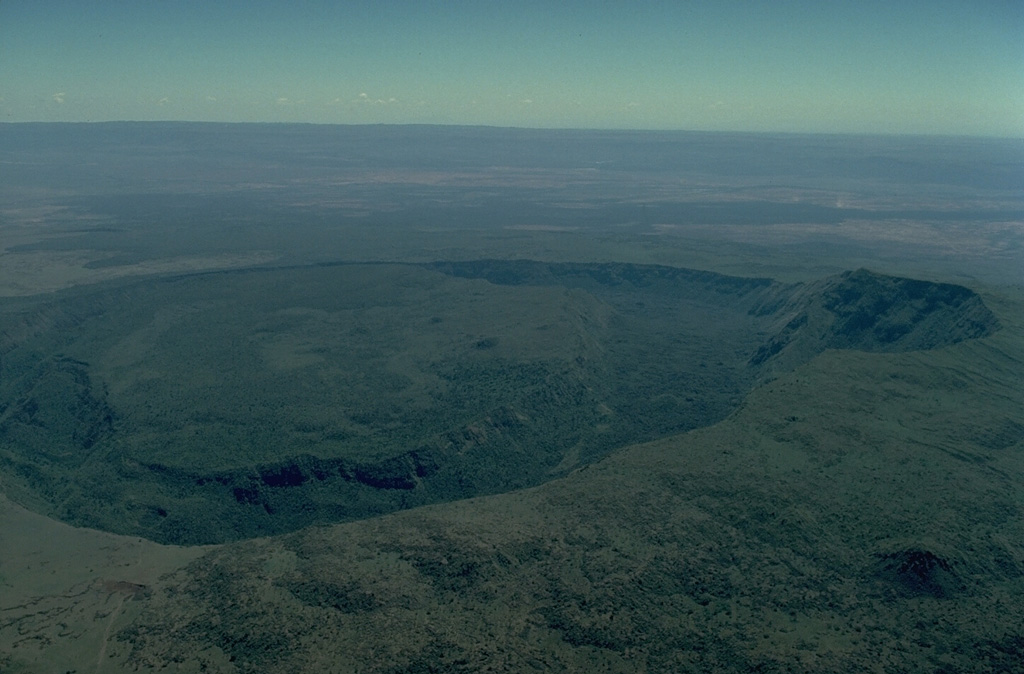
(66, 591)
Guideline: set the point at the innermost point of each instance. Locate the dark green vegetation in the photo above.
(859, 513)
(555, 401)
(218, 406)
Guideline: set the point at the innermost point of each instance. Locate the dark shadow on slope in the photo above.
(866, 311)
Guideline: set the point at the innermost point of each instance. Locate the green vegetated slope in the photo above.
(861, 512)
(220, 406)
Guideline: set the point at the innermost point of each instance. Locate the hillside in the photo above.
(861, 512)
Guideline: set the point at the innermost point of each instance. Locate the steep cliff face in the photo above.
(866, 311)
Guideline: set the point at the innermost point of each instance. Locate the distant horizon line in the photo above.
(864, 134)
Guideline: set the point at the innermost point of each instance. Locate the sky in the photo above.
(935, 67)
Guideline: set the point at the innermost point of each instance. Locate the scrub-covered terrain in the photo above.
(287, 398)
(861, 511)
(220, 406)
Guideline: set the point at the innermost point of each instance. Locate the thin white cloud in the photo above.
(212, 99)
(163, 101)
(59, 98)
(365, 98)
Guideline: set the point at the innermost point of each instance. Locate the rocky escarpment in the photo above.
(197, 506)
(867, 311)
(680, 283)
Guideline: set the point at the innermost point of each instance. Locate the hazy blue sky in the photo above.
(895, 66)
